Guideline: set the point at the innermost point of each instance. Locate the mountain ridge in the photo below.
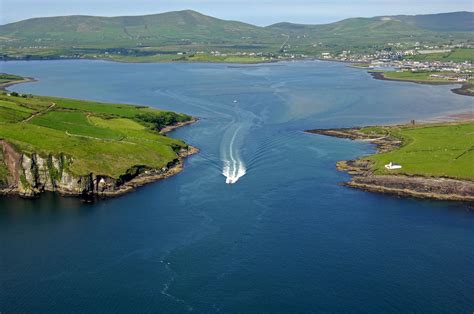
(468, 15)
(467, 18)
(190, 31)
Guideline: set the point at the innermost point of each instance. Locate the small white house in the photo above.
(393, 166)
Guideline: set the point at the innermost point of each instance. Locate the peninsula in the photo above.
(83, 148)
(432, 78)
(424, 161)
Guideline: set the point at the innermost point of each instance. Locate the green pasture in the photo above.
(445, 150)
(106, 139)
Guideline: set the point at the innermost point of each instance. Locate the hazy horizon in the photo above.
(300, 11)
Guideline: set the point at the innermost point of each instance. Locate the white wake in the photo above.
(234, 167)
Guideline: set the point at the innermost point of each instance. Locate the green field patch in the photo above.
(456, 55)
(105, 139)
(134, 131)
(75, 123)
(9, 112)
(109, 110)
(14, 106)
(441, 150)
(117, 123)
(375, 130)
(32, 103)
(111, 158)
(420, 76)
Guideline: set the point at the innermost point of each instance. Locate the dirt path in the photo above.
(39, 113)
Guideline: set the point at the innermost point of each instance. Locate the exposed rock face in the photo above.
(38, 173)
(31, 174)
(12, 161)
(416, 186)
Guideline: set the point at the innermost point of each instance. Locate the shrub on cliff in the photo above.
(159, 121)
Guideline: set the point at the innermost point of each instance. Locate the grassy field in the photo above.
(432, 150)
(457, 55)
(100, 138)
(419, 76)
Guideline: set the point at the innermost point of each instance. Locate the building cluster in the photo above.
(402, 61)
(399, 52)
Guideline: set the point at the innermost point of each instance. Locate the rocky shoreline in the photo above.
(364, 178)
(170, 128)
(464, 90)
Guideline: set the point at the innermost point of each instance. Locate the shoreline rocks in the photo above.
(32, 174)
(439, 188)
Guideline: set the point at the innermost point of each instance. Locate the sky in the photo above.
(258, 12)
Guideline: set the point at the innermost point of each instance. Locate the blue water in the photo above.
(286, 237)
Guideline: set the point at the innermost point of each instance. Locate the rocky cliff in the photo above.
(32, 174)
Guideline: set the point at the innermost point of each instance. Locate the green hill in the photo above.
(165, 36)
(367, 34)
(446, 22)
(442, 22)
(130, 31)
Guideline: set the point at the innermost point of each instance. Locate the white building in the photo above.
(393, 166)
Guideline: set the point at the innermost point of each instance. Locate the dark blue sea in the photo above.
(286, 237)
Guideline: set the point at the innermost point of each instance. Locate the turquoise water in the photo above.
(286, 237)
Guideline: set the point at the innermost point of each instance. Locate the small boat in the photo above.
(235, 101)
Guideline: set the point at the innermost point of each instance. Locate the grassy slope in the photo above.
(453, 21)
(101, 138)
(432, 150)
(166, 29)
(152, 37)
(364, 34)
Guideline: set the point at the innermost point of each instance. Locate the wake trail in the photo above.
(237, 122)
(234, 167)
(166, 288)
